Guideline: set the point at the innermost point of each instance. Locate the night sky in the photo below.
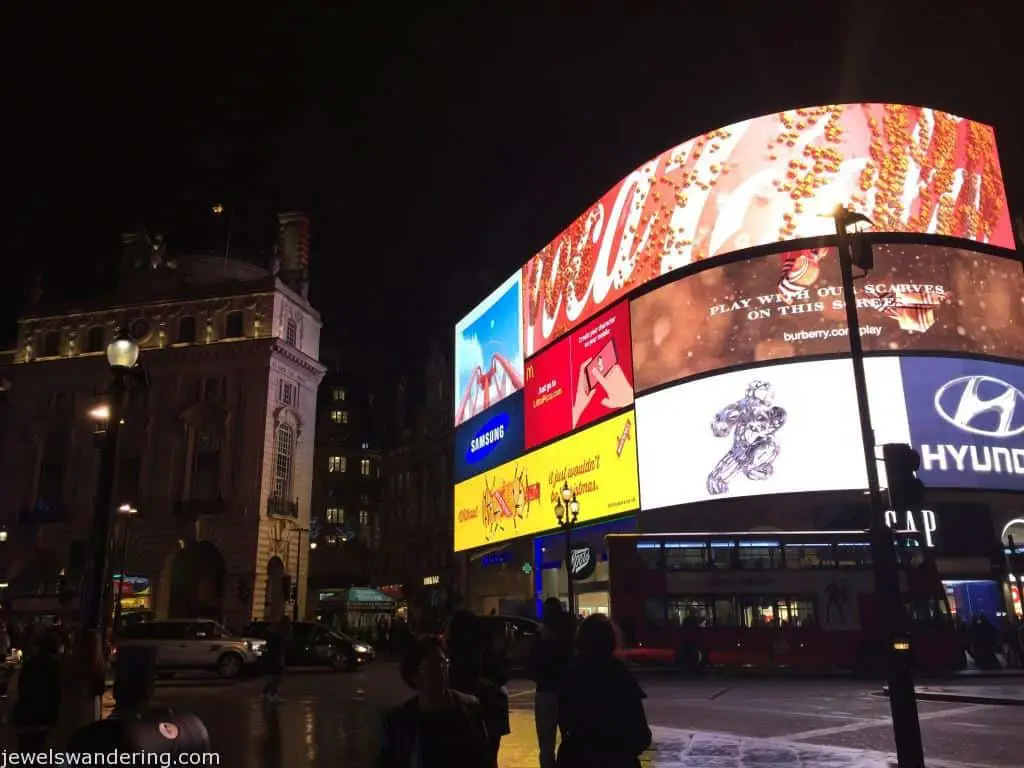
(436, 150)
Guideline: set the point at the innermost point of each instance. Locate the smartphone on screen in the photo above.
(607, 359)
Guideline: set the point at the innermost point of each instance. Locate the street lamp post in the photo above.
(902, 699)
(122, 355)
(127, 512)
(567, 510)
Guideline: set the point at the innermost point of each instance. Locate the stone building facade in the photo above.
(417, 506)
(216, 449)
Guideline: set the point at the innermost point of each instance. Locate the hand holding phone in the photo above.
(602, 364)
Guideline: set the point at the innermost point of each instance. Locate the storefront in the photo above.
(550, 578)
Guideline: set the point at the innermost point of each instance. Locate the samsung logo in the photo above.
(487, 438)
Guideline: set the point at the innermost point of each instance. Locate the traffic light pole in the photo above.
(902, 699)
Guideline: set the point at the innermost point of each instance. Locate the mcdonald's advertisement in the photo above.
(518, 498)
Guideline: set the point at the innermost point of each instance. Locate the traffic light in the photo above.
(295, 593)
(906, 491)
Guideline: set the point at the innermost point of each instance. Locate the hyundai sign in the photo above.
(490, 438)
(967, 421)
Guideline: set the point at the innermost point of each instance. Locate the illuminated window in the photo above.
(335, 515)
(339, 417)
(336, 464)
(364, 467)
(338, 395)
(291, 331)
(364, 517)
(283, 461)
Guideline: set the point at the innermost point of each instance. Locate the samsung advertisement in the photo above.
(489, 439)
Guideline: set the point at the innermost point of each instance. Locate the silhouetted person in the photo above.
(438, 727)
(548, 660)
(601, 709)
(83, 684)
(476, 671)
(277, 639)
(39, 693)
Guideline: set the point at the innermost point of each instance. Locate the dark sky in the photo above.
(435, 149)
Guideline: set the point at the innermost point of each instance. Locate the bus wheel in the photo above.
(689, 658)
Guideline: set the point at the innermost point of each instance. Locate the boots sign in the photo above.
(582, 561)
(922, 522)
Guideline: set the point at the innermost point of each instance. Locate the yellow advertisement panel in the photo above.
(518, 498)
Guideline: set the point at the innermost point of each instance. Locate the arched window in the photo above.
(284, 459)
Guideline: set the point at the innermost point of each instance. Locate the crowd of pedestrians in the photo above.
(460, 710)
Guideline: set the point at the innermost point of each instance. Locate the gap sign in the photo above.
(489, 438)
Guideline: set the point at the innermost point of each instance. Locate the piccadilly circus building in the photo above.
(680, 357)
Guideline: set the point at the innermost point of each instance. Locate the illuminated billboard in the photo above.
(489, 351)
(967, 421)
(765, 180)
(585, 376)
(916, 298)
(783, 428)
(490, 438)
(518, 498)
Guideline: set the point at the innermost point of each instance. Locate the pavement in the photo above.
(327, 719)
(992, 694)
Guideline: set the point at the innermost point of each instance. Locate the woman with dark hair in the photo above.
(601, 707)
(476, 670)
(438, 727)
(38, 703)
(548, 660)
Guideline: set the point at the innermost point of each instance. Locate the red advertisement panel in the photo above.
(765, 180)
(583, 377)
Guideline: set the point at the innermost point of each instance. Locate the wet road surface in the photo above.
(327, 719)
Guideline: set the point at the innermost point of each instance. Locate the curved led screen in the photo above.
(764, 180)
(518, 498)
(489, 351)
(916, 298)
(794, 428)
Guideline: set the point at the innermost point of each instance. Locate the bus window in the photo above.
(796, 612)
(685, 555)
(725, 613)
(757, 612)
(721, 554)
(649, 553)
(689, 612)
(655, 610)
(760, 554)
(808, 555)
(853, 554)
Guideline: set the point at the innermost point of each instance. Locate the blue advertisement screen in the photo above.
(490, 438)
(966, 419)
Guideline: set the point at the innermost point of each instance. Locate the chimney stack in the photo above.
(293, 251)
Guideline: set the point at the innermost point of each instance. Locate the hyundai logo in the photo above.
(981, 405)
(487, 438)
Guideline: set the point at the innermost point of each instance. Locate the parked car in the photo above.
(317, 645)
(193, 644)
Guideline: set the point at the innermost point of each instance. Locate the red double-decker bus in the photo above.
(756, 599)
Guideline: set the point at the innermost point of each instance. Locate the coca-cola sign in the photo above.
(582, 561)
(765, 180)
